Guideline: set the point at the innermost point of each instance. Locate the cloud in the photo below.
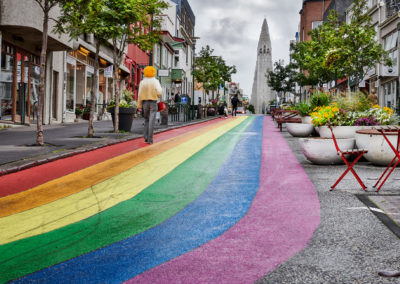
(232, 29)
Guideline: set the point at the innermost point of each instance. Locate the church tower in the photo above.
(261, 93)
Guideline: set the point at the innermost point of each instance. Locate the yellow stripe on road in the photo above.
(106, 194)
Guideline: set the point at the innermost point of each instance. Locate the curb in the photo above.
(74, 152)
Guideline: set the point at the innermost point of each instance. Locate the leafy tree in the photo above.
(46, 6)
(211, 70)
(340, 50)
(130, 21)
(82, 17)
(282, 78)
(355, 49)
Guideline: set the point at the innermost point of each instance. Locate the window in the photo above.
(390, 41)
(70, 86)
(176, 59)
(389, 93)
(316, 24)
(6, 81)
(392, 7)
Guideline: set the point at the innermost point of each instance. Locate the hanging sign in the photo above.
(108, 71)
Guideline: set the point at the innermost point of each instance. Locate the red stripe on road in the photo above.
(29, 178)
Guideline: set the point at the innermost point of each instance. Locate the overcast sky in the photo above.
(232, 28)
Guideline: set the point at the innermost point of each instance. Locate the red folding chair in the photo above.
(358, 152)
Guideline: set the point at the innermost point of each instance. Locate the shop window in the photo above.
(6, 81)
(70, 87)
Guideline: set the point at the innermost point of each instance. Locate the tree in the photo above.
(355, 49)
(130, 21)
(341, 49)
(46, 6)
(82, 17)
(282, 78)
(211, 70)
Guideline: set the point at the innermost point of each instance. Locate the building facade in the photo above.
(311, 16)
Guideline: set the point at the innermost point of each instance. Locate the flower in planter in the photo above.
(126, 102)
(367, 121)
(322, 115)
(78, 110)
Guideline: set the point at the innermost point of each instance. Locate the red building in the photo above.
(135, 60)
(311, 16)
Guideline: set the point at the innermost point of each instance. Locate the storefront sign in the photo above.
(89, 69)
(163, 73)
(71, 60)
(108, 72)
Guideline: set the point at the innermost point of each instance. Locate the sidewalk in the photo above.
(18, 150)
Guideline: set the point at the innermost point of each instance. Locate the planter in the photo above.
(379, 151)
(86, 115)
(341, 131)
(322, 151)
(300, 129)
(211, 111)
(125, 118)
(306, 119)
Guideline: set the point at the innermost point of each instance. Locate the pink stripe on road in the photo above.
(280, 223)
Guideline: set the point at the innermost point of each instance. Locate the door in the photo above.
(22, 96)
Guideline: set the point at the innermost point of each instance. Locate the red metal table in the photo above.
(384, 131)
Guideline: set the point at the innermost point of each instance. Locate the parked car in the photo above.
(240, 110)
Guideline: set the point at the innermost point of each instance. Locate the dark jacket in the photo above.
(235, 101)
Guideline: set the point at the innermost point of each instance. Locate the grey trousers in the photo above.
(149, 113)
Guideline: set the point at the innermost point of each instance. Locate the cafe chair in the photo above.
(342, 154)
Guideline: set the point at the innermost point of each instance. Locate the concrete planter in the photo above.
(340, 131)
(379, 151)
(306, 119)
(322, 151)
(299, 129)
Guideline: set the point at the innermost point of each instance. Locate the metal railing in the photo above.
(181, 112)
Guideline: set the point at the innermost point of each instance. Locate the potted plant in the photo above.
(127, 111)
(78, 112)
(304, 110)
(86, 112)
(379, 152)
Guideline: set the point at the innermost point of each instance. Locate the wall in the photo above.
(311, 11)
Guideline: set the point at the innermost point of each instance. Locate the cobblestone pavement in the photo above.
(351, 244)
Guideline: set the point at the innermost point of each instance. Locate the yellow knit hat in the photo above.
(149, 71)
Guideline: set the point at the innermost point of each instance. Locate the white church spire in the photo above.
(261, 92)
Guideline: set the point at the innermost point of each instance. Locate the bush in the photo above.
(303, 108)
(354, 102)
(319, 99)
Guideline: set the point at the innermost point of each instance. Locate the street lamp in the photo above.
(193, 70)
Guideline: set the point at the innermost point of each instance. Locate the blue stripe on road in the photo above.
(226, 200)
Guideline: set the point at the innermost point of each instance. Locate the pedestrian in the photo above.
(177, 98)
(225, 110)
(234, 102)
(149, 92)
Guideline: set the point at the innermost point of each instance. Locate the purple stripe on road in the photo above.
(280, 223)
